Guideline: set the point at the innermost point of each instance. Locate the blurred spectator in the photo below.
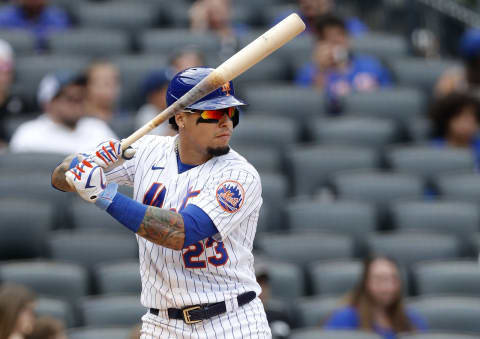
(336, 69)
(64, 127)
(186, 58)
(216, 16)
(376, 303)
(10, 104)
(47, 327)
(135, 333)
(467, 76)
(278, 319)
(154, 92)
(17, 316)
(103, 89)
(455, 120)
(36, 16)
(312, 9)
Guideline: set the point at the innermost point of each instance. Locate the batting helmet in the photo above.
(222, 97)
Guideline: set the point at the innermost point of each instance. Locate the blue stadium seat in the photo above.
(118, 278)
(334, 277)
(112, 310)
(96, 333)
(56, 308)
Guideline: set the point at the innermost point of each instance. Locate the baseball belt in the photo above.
(196, 313)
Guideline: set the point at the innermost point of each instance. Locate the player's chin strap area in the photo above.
(198, 313)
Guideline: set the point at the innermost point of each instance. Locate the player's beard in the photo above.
(218, 151)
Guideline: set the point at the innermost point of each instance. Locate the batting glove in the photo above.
(88, 179)
(109, 155)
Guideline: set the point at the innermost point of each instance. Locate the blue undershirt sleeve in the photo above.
(197, 224)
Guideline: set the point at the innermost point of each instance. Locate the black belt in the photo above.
(196, 313)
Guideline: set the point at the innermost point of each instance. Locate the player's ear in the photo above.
(180, 119)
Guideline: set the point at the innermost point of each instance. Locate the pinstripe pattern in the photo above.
(167, 281)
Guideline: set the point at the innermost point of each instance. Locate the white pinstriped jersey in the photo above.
(228, 189)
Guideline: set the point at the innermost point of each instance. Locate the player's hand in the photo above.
(109, 155)
(87, 178)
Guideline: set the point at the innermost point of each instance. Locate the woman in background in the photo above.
(376, 303)
(17, 317)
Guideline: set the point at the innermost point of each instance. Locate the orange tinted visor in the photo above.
(217, 114)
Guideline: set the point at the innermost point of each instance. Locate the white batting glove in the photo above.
(88, 179)
(109, 155)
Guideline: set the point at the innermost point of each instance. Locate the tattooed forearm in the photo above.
(163, 227)
(58, 175)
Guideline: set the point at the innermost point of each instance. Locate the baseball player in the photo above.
(195, 210)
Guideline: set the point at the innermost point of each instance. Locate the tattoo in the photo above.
(163, 227)
(58, 175)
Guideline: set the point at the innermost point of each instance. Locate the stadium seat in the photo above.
(457, 218)
(314, 311)
(274, 194)
(417, 72)
(381, 45)
(263, 158)
(46, 278)
(123, 15)
(89, 42)
(354, 218)
(399, 104)
(56, 308)
(318, 333)
(92, 248)
(31, 69)
(277, 11)
(369, 132)
(133, 71)
(293, 102)
(96, 333)
(459, 186)
(88, 218)
(257, 130)
(314, 246)
(24, 224)
(335, 277)
(441, 335)
(118, 278)
(166, 41)
(311, 166)
(419, 130)
(376, 186)
(112, 310)
(411, 247)
(286, 279)
(428, 161)
(447, 278)
(273, 70)
(455, 314)
(22, 41)
(43, 161)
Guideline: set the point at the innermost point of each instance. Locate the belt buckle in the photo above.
(186, 314)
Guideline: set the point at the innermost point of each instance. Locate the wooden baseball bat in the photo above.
(248, 56)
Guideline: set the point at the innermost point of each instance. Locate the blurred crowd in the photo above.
(75, 110)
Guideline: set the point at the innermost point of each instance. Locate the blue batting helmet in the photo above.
(222, 97)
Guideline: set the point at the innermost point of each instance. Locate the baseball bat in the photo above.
(257, 50)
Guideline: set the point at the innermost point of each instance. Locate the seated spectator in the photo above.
(135, 332)
(47, 327)
(64, 127)
(336, 69)
(103, 89)
(310, 10)
(10, 104)
(376, 304)
(278, 320)
(36, 16)
(154, 92)
(17, 317)
(467, 76)
(186, 58)
(216, 16)
(456, 120)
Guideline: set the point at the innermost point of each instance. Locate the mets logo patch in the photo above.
(230, 195)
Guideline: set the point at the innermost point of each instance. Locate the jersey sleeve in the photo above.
(229, 198)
